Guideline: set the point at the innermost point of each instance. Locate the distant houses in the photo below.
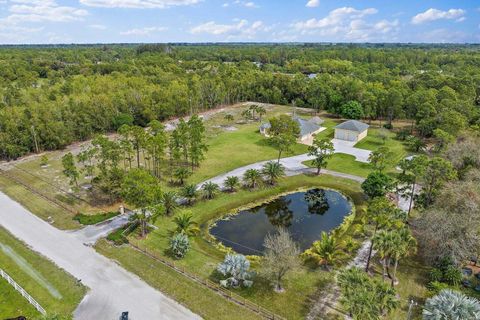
(351, 130)
(308, 128)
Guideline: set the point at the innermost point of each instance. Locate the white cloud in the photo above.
(142, 31)
(138, 4)
(238, 29)
(313, 3)
(241, 3)
(435, 14)
(334, 19)
(347, 24)
(39, 11)
(98, 26)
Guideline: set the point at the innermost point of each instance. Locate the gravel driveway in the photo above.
(112, 288)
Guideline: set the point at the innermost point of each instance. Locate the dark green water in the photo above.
(305, 215)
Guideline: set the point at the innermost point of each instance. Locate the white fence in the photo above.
(22, 291)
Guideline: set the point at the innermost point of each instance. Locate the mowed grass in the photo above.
(39, 206)
(203, 257)
(198, 299)
(12, 304)
(346, 163)
(57, 279)
(230, 150)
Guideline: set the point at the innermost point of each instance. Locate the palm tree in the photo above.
(189, 193)
(273, 171)
(185, 224)
(261, 112)
(169, 202)
(210, 189)
(232, 183)
(181, 174)
(384, 242)
(449, 304)
(404, 244)
(252, 177)
(324, 251)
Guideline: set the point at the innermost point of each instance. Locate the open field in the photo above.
(55, 290)
(203, 258)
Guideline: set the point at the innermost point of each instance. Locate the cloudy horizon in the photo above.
(195, 21)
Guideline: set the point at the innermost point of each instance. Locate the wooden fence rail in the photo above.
(22, 291)
(228, 294)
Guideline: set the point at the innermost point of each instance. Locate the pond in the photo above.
(304, 214)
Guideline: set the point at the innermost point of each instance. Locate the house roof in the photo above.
(317, 120)
(353, 125)
(266, 125)
(306, 126)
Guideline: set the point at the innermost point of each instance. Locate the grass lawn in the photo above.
(12, 304)
(346, 163)
(39, 206)
(95, 218)
(200, 300)
(53, 288)
(230, 150)
(204, 257)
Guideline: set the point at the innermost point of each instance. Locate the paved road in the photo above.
(112, 288)
(90, 234)
(293, 166)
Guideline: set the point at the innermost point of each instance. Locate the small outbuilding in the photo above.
(351, 130)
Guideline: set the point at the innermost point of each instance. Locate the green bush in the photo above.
(179, 245)
(89, 219)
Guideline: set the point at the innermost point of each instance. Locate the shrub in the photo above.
(449, 304)
(236, 268)
(179, 245)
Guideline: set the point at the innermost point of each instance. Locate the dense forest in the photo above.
(50, 97)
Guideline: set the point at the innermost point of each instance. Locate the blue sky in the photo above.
(97, 21)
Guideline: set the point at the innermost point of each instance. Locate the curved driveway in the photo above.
(112, 288)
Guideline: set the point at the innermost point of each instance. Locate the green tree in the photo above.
(185, 224)
(352, 110)
(252, 177)
(232, 183)
(437, 172)
(324, 251)
(197, 138)
(273, 171)
(321, 150)
(189, 192)
(377, 184)
(412, 169)
(283, 133)
(181, 174)
(69, 168)
(169, 202)
(210, 189)
(141, 190)
(379, 158)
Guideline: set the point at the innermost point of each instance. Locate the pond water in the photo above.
(305, 214)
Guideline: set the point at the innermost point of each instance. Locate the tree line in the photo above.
(50, 97)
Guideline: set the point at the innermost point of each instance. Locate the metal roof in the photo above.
(353, 125)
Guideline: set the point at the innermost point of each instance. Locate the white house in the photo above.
(308, 128)
(351, 130)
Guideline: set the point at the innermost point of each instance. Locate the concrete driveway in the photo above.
(342, 146)
(112, 288)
